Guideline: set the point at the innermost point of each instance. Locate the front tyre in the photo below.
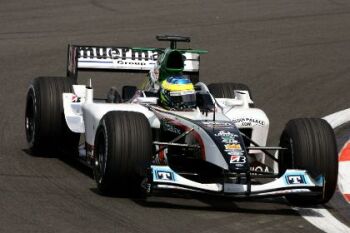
(311, 146)
(123, 151)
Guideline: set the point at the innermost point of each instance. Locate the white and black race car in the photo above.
(134, 144)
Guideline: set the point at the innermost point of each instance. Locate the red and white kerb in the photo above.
(344, 171)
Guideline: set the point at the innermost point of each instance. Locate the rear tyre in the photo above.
(123, 151)
(45, 125)
(128, 92)
(311, 146)
(226, 90)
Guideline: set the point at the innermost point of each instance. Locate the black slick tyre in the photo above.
(128, 92)
(122, 151)
(311, 146)
(46, 130)
(226, 90)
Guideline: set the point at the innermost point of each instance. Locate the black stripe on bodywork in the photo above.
(213, 129)
(230, 143)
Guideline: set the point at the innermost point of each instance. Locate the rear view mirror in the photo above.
(204, 101)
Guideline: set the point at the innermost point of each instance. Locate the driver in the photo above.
(177, 92)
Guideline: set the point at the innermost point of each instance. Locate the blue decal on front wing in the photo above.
(165, 175)
(295, 179)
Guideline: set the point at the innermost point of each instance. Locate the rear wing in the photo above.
(111, 58)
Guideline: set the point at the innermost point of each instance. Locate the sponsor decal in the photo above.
(117, 54)
(248, 121)
(223, 133)
(126, 58)
(227, 137)
(259, 167)
(131, 63)
(238, 159)
(165, 175)
(75, 99)
(171, 128)
(229, 140)
(234, 152)
(233, 147)
(216, 123)
(295, 179)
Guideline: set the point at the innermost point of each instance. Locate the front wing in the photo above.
(292, 181)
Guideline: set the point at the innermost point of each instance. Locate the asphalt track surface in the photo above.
(293, 54)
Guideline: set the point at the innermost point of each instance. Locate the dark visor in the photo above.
(185, 101)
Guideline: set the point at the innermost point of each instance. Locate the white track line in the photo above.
(320, 217)
(338, 118)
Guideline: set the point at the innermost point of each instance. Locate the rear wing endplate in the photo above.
(111, 58)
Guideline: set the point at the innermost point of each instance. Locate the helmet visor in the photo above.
(183, 99)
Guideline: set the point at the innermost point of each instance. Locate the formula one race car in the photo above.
(175, 132)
